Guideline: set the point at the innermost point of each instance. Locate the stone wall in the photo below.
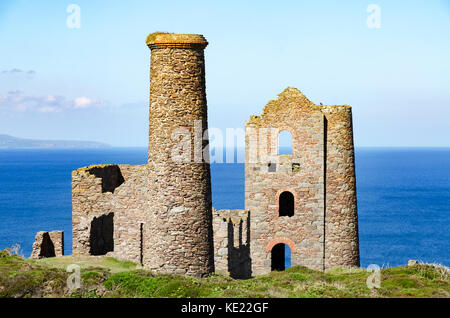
(57, 238)
(292, 111)
(131, 203)
(232, 243)
(322, 233)
(94, 204)
(48, 244)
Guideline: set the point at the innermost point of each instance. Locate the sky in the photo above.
(392, 64)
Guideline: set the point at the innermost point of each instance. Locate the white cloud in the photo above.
(82, 102)
(17, 101)
(17, 71)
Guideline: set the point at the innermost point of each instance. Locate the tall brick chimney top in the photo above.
(160, 39)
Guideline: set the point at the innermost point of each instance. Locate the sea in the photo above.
(403, 198)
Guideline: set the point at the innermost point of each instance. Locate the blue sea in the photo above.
(403, 198)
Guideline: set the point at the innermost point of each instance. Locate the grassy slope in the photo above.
(107, 277)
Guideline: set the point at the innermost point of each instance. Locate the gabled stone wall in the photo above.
(320, 174)
(292, 111)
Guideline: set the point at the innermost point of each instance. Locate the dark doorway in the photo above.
(101, 236)
(278, 262)
(47, 247)
(281, 257)
(286, 204)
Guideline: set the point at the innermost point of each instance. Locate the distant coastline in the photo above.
(10, 142)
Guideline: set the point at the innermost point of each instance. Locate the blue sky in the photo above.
(92, 83)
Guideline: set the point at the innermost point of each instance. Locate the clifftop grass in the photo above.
(107, 277)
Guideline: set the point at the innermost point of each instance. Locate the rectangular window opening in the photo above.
(272, 167)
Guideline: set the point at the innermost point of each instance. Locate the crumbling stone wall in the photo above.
(320, 174)
(48, 244)
(294, 112)
(160, 214)
(131, 203)
(57, 238)
(94, 223)
(232, 243)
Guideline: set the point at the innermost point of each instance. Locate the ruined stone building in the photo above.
(160, 214)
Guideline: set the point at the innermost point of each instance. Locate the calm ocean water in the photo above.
(403, 198)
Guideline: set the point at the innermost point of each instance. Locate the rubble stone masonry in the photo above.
(48, 244)
(160, 214)
(180, 231)
(319, 174)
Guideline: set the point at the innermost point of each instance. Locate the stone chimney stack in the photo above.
(179, 230)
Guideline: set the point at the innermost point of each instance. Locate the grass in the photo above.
(107, 277)
(86, 262)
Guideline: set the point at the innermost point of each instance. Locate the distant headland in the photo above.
(10, 142)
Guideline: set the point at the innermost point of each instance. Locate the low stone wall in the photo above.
(48, 244)
(57, 238)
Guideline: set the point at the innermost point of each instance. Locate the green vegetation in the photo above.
(107, 277)
(85, 262)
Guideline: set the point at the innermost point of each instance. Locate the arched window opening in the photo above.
(280, 257)
(286, 204)
(285, 143)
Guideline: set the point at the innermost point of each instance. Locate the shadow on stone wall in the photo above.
(239, 261)
(47, 247)
(102, 235)
(111, 177)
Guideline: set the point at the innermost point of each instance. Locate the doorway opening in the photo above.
(280, 257)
